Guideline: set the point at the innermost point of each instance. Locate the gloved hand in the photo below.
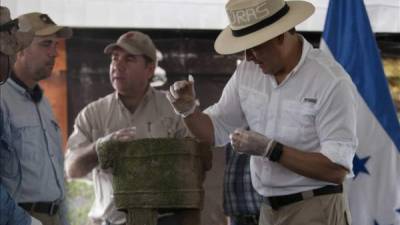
(124, 134)
(182, 97)
(250, 142)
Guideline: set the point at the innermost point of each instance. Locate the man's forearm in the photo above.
(79, 162)
(313, 165)
(200, 126)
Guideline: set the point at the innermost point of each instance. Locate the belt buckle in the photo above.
(51, 212)
(270, 202)
(32, 208)
(273, 202)
(53, 208)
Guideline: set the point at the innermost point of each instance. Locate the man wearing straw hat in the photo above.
(12, 40)
(299, 105)
(32, 163)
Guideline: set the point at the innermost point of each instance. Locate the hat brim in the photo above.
(59, 31)
(226, 43)
(130, 49)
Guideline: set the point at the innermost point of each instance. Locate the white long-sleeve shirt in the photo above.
(313, 109)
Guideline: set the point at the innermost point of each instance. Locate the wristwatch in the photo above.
(276, 152)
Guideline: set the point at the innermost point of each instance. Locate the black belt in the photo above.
(50, 208)
(279, 201)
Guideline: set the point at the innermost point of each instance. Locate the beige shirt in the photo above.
(154, 118)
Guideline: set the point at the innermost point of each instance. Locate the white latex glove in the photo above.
(249, 142)
(35, 221)
(124, 134)
(182, 96)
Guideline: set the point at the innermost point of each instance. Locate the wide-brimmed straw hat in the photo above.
(253, 22)
(12, 40)
(42, 25)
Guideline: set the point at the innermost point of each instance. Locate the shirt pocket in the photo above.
(253, 105)
(163, 127)
(298, 122)
(55, 138)
(54, 128)
(27, 140)
(9, 163)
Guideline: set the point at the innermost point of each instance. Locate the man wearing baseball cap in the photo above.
(32, 158)
(11, 41)
(134, 111)
(299, 105)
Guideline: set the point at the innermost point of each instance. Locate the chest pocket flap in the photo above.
(254, 105)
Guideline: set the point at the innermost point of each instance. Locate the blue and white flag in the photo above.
(374, 192)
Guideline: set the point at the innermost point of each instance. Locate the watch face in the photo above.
(276, 153)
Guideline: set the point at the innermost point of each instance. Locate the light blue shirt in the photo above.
(10, 213)
(31, 158)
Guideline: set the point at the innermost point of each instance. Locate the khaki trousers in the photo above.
(328, 209)
(46, 219)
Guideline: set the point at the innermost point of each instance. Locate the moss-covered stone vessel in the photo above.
(156, 173)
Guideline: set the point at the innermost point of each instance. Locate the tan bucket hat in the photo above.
(136, 43)
(42, 25)
(253, 22)
(12, 40)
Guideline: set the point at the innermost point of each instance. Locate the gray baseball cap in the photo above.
(136, 43)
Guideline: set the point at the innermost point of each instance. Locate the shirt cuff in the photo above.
(341, 153)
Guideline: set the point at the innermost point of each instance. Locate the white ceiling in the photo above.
(179, 14)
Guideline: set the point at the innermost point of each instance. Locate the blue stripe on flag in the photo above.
(353, 44)
(374, 193)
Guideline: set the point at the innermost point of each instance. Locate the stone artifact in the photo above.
(156, 173)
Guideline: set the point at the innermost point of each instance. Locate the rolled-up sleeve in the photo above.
(81, 135)
(336, 124)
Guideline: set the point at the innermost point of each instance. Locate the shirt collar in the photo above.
(146, 97)
(305, 49)
(36, 93)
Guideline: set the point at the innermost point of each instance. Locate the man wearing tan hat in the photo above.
(11, 41)
(299, 105)
(134, 111)
(32, 160)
